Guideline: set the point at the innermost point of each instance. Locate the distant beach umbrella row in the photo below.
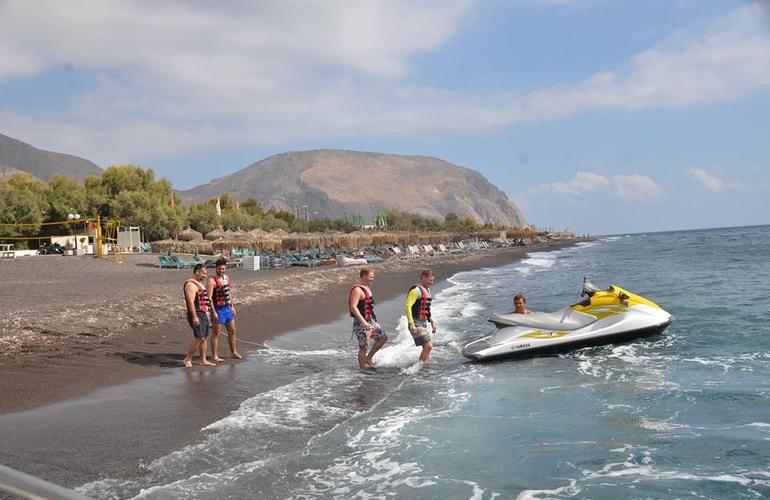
(220, 241)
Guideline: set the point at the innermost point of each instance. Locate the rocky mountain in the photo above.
(332, 183)
(17, 155)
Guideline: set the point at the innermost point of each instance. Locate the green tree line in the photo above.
(135, 197)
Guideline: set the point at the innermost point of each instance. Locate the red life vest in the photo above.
(421, 310)
(221, 294)
(202, 301)
(365, 305)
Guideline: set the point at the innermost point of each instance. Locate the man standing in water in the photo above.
(365, 326)
(418, 314)
(520, 305)
(220, 289)
(198, 303)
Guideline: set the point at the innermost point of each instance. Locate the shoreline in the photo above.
(104, 413)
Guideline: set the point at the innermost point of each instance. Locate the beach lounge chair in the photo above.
(442, 248)
(412, 251)
(181, 262)
(165, 262)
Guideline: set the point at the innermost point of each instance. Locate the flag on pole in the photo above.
(237, 206)
(219, 207)
(172, 201)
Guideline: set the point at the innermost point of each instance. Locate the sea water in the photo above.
(681, 414)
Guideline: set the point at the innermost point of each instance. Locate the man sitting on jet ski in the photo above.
(519, 305)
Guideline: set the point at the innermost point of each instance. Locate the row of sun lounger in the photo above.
(317, 257)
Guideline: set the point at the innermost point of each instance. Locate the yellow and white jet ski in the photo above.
(605, 317)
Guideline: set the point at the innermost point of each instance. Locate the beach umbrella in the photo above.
(216, 234)
(190, 234)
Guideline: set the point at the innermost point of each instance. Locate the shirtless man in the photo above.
(418, 314)
(361, 308)
(198, 303)
(220, 289)
(520, 305)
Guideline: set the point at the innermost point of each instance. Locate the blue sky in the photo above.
(595, 116)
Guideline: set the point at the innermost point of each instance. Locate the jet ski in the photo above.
(604, 317)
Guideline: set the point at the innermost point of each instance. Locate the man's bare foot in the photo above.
(217, 359)
(237, 356)
(187, 363)
(207, 363)
(370, 363)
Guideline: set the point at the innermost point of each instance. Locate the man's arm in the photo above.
(189, 295)
(232, 296)
(413, 296)
(355, 296)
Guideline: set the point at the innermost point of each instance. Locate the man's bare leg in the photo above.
(204, 361)
(215, 342)
(232, 340)
(194, 346)
(376, 347)
(425, 354)
(362, 358)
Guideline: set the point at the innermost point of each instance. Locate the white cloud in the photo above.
(625, 188)
(178, 76)
(701, 176)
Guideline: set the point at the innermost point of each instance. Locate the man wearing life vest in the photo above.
(198, 304)
(418, 314)
(365, 327)
(220, 289)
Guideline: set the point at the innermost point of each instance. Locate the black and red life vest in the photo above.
(421, 308)
(221, 294)
(202, 301)
(366, 305)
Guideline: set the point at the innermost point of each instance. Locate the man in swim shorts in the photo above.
(418, 314)
(197, 301)
(220, 289)
(365, 326)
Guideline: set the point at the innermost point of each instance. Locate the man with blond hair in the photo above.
(365, 326)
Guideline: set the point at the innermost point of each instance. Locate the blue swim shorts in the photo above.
(362, 334)
(224, 314)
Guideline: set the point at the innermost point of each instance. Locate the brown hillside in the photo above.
(332, 183)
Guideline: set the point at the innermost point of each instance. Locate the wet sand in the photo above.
(83, 327)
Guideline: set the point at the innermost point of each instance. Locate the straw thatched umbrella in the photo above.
(216, 234)
(178, 246)
(190, 234)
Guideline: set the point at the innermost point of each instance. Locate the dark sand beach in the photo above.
(91, 370)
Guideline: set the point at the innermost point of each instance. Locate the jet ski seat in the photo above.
(564, 320)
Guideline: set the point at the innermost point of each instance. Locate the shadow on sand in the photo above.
(162, 359)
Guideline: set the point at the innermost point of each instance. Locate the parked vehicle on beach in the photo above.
(50, 249)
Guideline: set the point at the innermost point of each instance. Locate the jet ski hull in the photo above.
(519, 350)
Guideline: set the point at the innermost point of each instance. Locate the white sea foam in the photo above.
(570, 490)
(292, 405)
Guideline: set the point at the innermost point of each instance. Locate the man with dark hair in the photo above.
(520, 305)
(365, 326)
(418, 313)
(220, 289)
(198, 303)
